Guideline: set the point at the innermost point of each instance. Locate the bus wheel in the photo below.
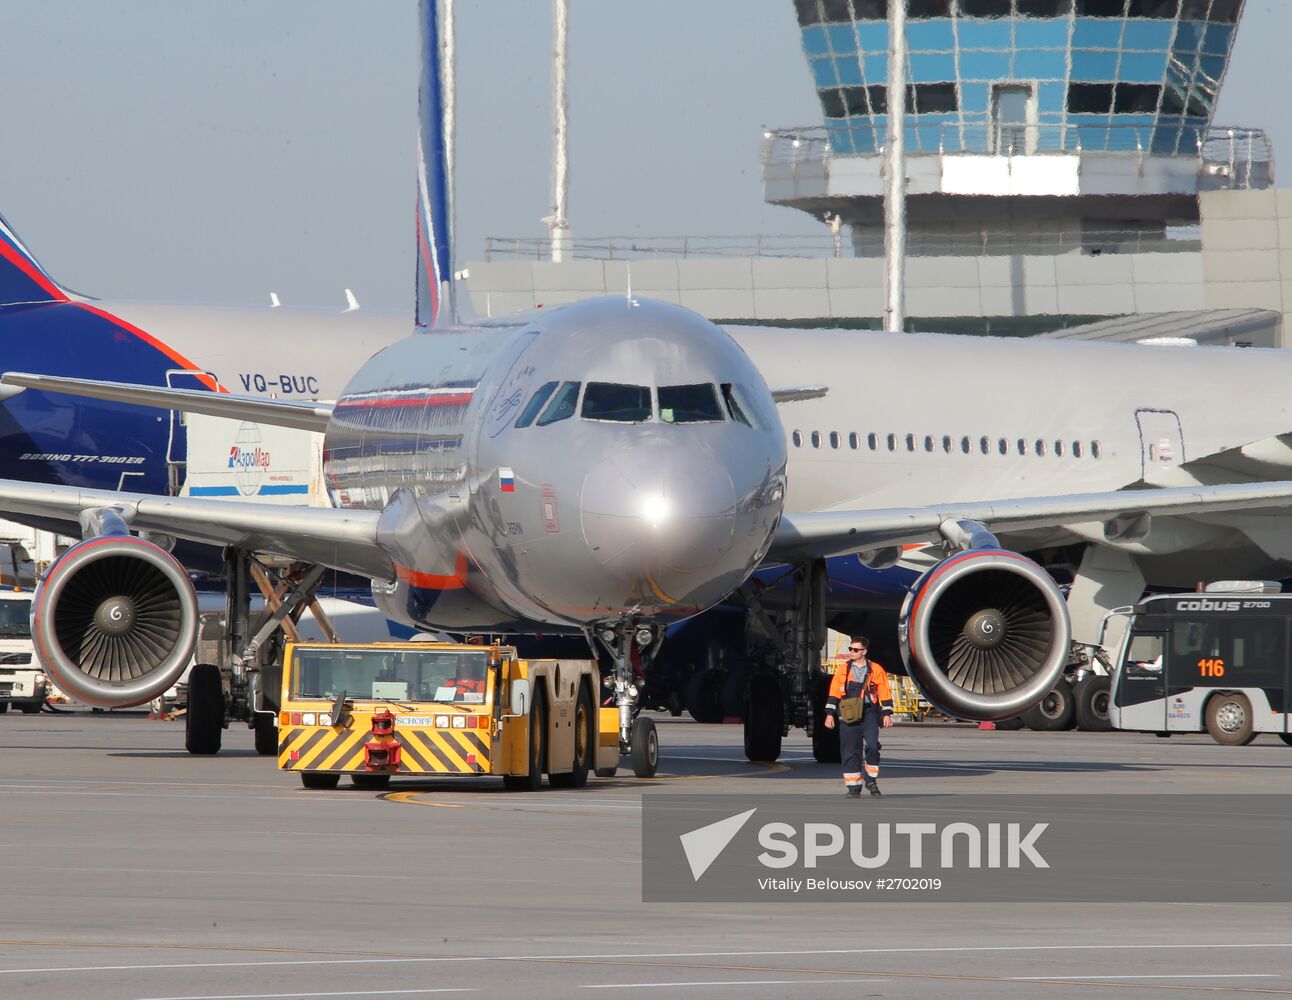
(1091, 697)
(1229, 720)
(1286, 738)
(1053, 713)
(370, 781)
(319, 779)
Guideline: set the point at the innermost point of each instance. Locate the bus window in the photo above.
(1144, 658)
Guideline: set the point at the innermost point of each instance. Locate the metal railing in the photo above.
(1227, 157)
(858, 242)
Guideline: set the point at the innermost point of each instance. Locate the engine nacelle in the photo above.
(985, 634)
(114, 621)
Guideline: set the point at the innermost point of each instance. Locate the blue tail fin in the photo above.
(22, 279)
(434, 259)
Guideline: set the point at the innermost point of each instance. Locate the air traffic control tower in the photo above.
(1036, 129)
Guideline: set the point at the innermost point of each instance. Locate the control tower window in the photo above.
(1154, 8)
(1090, 98)
(1194, 10)
(1136, 98)
(808, 12)
(535, 404)
(1101, 8)
(1224, 11)
(562, 405)
(871, 10)
(933, 98)
(687, 404)
(985, 8)
(1044, 8)
(625, 404)
(832, 103)
(936, 8)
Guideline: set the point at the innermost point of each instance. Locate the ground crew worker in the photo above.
(866, 680)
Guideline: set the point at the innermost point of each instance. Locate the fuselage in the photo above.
(608, 460)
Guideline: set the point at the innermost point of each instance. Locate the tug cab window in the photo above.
(536, 401)
(688, 404)
(625, 404)
(562, 405)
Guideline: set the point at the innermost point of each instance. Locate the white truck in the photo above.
(22, 681)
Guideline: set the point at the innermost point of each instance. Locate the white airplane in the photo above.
(614, 466)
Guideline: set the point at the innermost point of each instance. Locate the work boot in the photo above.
(853, 792)
(872, 786)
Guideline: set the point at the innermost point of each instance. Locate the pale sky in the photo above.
(186, 150)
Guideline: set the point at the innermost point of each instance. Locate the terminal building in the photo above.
(1064, 177)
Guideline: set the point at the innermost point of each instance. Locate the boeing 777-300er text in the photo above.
(613, 466)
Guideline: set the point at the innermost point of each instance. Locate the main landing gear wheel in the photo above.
(532, 781)
(204, 720)
(1055, 712)
(704, 696)
(645, 748)
(825, 742)
(265, 731)
(764, 718)
(1229, 720)
(1091, 696)
(319, 779)
(374, 782)
(583, 746)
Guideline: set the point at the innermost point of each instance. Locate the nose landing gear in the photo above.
(628, 645)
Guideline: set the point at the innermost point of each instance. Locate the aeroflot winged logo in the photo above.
(703, 846)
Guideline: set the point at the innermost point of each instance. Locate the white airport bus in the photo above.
(1212, 662)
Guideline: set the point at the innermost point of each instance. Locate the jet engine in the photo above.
(985, 634)
(114, 621)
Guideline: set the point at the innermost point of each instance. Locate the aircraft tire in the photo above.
(372, 782)
(1091, 696)
(584, 745)
(1055, 712)
(645, 755)
(1285, 737)
(704, 696)
(532, 781)
(320, 779)
(1229, 720)
(825, 742)
(204, 720)
(264, 731)
(764, 718)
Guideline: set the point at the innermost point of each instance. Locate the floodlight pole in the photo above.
(559, 223)
(895, 167)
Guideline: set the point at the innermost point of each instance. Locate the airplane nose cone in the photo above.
(661, 521)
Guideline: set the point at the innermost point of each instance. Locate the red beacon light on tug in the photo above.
(382, 752)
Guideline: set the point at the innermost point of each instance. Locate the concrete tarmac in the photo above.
(130, 870)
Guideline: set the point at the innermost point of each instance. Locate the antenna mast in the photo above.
(895, 166)
(557, 222)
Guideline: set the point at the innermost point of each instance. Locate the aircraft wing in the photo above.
(279, 412)
(343, 539)
(1124, 513)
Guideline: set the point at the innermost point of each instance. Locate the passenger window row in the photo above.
(949, 445)
(635, 404)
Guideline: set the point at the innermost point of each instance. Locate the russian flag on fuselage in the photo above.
(434, 259)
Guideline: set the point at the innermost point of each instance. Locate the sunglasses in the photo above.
(856, 649)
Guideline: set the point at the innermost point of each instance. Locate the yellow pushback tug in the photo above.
(431, 709)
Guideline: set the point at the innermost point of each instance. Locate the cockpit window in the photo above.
(535, 404)
(629, 404)
(731, 398)
(562, 405)
(688, 404)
